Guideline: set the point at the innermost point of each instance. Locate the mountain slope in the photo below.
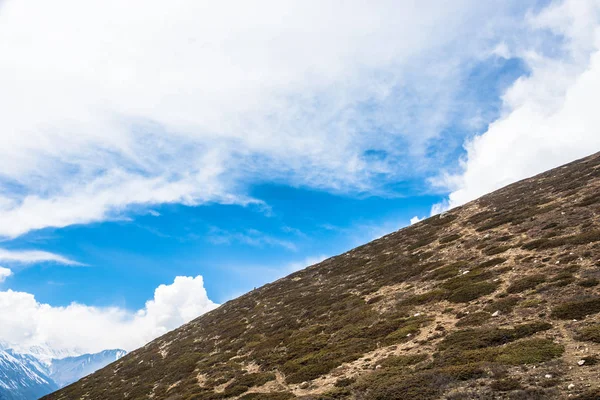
(495, 299)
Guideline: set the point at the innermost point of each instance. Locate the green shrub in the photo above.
(576, 309)
(487, 337)
(472, 291)
(573, 240)
(530, 351)
(344, 382)
(505, 305)
(402, 361)
(526, 283)
(250, 380)
(448, 271)
(474, 319)
(589, 333)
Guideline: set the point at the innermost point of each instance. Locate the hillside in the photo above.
(497, 299)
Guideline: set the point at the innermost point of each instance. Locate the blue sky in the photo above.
(176, 158)
(234, 247)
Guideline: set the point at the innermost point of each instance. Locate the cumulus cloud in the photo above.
(25, 322)
(4, 273)
(415, 219)
(33, 256)
(191, 103)
(550, 117)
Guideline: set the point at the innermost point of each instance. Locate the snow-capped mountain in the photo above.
(28, 376)
(70, 369)
(23, 377)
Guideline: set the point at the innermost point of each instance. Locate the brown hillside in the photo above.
(497, 299)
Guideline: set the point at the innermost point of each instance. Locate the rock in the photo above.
(571, 386)
(304, 385)
(378, 367)
(496, 313)
(417, 314)
(548, 376)
(580, 362)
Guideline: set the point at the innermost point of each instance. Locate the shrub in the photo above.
(449, 238)
(402, 361)
(526, 283)
(589, 333)
(474, 319)
(530, 351)
(504, 305)
(574, 240)
(486, 337)
(506, 385)
(591, 282)
(449, 271)
(344, 382)
(472, 291)
(576, 309)
(250, 380)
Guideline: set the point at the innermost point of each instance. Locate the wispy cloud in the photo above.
(227, 99)
(250, 237)
(34, 256)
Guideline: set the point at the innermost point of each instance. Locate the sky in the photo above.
(158, 159)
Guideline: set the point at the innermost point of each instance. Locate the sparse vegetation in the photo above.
(388, 307)
(577, 309)
(526, 283)
(589, 333)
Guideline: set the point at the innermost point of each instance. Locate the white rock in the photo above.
(547, 376)
(378, 367)
(417, 314)
(571, 386)
(465, 272)
(580, 362)
(496, 313)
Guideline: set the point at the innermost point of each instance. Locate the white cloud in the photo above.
(415, 219)
(24, 322)
(298, 265)
(250, 237)
(550, 116)
(4, 273)
(188, 104)
(33, 256)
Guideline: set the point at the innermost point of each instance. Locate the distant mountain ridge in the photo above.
(33, 375)
(70, 369)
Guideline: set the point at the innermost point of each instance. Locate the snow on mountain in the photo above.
(41, 370)
(23, 377)
(71, 369)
